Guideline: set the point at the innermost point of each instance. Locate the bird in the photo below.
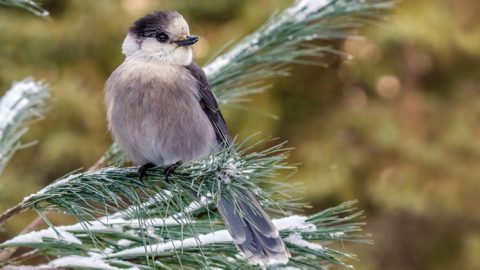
(162, 112)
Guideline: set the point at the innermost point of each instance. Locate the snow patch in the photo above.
(45, 189)
(337, 234)
(195, 205)
(304, 8)
(93, 262)
(20, 97)
(38, 236)
(299, 11)
(63, 181)
(294, 222)
(297, 240)
(14, 100)
(221, 236)
(125, 242)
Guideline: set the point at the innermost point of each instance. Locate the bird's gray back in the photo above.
(154, 113)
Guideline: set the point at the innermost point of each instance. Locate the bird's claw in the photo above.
(142, 170)
(170, 169)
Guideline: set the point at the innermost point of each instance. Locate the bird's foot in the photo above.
(170, 169)
(142, 170)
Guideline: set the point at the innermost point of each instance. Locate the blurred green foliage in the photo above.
(395, 127)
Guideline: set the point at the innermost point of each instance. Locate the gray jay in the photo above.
(162, 112)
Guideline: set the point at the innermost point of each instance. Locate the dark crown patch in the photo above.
(151, 24)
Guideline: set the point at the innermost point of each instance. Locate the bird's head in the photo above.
(163, 36)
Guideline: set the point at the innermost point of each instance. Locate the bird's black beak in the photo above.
(187, 41)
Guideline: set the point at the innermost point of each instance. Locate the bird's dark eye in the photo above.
(162, 37)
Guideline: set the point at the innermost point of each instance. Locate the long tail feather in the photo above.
(252, 230)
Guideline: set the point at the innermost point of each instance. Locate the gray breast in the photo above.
(154, 114)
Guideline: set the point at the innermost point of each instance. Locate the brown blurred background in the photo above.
(396, 127)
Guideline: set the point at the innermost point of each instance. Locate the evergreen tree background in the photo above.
(395, 127)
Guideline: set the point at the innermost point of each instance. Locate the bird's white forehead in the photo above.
(178, 26)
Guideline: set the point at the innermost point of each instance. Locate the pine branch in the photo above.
(37, 222)
(90, 194)
(288, 38)
(118, 241)
(191, 232)
(27, 5)
(23, 102)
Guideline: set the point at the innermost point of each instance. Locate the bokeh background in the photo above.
(397, 127)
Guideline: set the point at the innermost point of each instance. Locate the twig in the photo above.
(17, 209)
(37, 222)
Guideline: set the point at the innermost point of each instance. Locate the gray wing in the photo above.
(209, 105)
(252, 231)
